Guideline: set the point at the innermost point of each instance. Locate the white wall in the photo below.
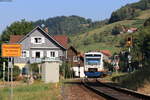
(50, 72)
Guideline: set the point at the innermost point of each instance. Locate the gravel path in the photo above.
(75, 91)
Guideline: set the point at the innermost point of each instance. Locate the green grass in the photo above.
(134, 80)
(37, 91)
(144, 14)
(114, 75)
(109, 41)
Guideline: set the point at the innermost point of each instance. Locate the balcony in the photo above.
(40, 60)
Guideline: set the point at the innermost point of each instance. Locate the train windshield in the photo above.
(92, 61)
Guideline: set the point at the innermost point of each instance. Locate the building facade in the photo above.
(39, 45)
(76, 60)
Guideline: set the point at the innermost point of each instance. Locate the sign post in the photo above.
(4, 71)
(11, 51)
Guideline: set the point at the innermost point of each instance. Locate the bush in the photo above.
(16, 73)
(35, 70)
(66, 71)
(134, 80)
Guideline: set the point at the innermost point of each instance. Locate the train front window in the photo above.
(92, 61)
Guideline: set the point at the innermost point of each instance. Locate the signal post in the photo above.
(129, 44)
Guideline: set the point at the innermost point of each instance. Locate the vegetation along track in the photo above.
(111, 92)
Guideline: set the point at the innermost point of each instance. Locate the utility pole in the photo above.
(4, 65)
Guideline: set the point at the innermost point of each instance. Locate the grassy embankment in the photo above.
(36, 91)
(135, 80)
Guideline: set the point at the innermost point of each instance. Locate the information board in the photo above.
(11, 50)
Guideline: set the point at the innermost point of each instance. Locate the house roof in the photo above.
(59, 39)
(133, 29)
(15, 38)
(71, 47)
(62, 39)
(106, 52)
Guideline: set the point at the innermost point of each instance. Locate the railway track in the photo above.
(111, 92)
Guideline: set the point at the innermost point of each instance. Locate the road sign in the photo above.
(11, 50)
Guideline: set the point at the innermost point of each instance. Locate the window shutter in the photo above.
(43, 40)
(32, 39)
(41, 54)
(48, 53)
(27, 54)
(33, 54)
(56, 53)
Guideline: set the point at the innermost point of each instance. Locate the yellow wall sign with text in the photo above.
(11, 50)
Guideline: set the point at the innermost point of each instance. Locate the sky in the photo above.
(33, 10)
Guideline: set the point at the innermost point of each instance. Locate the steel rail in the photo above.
(111, 93)
(97, 91)
(127, 91)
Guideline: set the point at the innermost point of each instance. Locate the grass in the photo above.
(114, 75)
(110, 41)
(144, 14)
(134, 80)
(37, 91)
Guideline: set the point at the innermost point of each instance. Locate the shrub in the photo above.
(16, 73)
(65, 70)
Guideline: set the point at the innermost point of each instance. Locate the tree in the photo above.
(117, 29)
(147, 22)
(142, 44)
(17, 28)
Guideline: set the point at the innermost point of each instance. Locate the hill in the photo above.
(103, 38)
(129, 11)
(68, 24)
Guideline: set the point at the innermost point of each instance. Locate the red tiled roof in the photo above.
(61, 39)
(133, 29)
(15, 38)
(106, 52)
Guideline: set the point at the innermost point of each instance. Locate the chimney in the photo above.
(46, 29)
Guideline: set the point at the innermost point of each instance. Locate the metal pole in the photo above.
(4, 71)
(12, 79)
(129, 49)
(129, 60)
(8, 70)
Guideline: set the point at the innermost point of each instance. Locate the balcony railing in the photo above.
(39, 60)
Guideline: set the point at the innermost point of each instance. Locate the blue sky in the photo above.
(33, 10)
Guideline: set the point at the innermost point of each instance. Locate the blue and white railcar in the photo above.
(93, 64)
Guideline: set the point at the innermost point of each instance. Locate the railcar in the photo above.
(93, 64)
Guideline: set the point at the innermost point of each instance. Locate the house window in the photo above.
(52, 54)
(75, 59)
(37, 54)
(25, 53)
(37, 40)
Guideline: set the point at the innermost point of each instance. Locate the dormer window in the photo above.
(37, 40)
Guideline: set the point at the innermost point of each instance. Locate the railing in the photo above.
(39, 60)
(51, 59)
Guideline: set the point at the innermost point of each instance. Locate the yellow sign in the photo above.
(11, 50)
